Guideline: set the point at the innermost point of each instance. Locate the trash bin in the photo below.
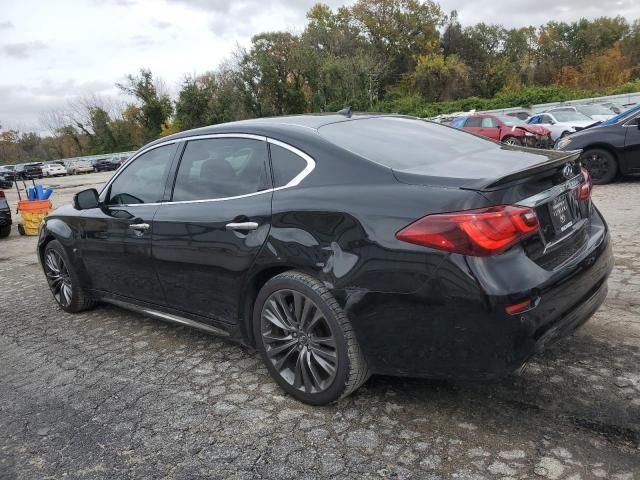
(32, 213)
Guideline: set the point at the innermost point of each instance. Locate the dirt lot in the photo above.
(111, 394)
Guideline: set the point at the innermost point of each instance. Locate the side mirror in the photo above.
(86, 199)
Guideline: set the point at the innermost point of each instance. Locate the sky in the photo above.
(54, 51)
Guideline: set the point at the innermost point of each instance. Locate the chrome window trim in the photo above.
(311, 165)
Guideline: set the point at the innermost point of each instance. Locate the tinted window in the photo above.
(144, 179)
(403, 143)
(220, 168)
(473, 122)
(286, 165)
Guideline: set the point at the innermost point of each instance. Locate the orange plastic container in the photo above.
(32, 213)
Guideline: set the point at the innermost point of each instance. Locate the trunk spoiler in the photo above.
(571, 157)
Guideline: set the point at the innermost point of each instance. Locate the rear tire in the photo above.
(5, 231)
(601, 164)
(63, 280)
(306, 340)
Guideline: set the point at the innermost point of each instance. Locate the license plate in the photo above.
(561, 216)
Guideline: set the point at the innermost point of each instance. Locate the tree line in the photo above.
(405, 56)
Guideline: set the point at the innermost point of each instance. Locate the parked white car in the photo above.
(561, 122)
(78, 166)
(594, 111)
(54, 170)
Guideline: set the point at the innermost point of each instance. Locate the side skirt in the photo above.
(167, 317)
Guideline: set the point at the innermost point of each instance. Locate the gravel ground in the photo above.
(112, 394)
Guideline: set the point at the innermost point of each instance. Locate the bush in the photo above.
(524, 97)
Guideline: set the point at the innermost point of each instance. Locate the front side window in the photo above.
(286, 165)
(221, 168)
(144, 180)
(488, 122)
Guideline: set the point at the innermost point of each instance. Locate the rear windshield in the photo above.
(402, 143)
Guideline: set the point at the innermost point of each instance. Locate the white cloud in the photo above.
(51, 51)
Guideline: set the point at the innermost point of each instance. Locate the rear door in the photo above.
(473, 125)
(206, 238)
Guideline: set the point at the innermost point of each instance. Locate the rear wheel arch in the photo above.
(253, 286)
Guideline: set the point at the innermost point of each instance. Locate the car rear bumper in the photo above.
(456, 326)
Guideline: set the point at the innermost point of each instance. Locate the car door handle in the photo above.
(139, 226)
(242, 226)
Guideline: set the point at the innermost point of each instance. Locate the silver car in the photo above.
(561, 122)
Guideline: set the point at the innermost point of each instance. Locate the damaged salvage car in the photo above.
(342, 245)
(506, 129)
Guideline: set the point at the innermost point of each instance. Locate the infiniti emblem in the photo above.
(567, 171)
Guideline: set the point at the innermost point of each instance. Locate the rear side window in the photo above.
(473, 122)
(403, 143)
(286, 165)
(221, 168)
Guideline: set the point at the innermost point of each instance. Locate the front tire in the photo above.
(306, 340)
(601, 164)
(512, 141)
(63, 280)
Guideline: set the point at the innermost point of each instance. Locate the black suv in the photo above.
(5, 216)
(27, 171)
(608, 148)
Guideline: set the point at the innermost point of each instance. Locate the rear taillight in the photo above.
(481, 232)
(1, 194)
(584, 191)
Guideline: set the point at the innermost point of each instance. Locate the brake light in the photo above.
(584, 191)
(482, 232)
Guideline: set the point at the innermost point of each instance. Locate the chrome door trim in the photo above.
(311, 165)
(167, 317)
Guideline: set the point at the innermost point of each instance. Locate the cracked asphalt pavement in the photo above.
(109, 394)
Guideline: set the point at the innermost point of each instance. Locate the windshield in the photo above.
(570, 116)
(594, 110)
(622, 116)
(509, 120)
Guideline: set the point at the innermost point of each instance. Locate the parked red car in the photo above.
(506, 129)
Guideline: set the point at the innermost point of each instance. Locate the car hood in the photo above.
(578, 123)
(537, 129)
(484, 167)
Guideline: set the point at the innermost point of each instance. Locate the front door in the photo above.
(116, 238)
(207, 237)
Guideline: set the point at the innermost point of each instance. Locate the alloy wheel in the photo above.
(596, 164)
(58, 277)
(299, 341)
(510, 141)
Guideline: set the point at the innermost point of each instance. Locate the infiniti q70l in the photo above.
(342, 245)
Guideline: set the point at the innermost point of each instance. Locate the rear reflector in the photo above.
(482, 232)
(518, 307)
(584, 191)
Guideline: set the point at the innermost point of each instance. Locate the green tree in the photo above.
(155, 107)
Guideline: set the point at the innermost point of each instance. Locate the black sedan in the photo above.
(105, 165)
(342, 246)
(5, 216)
(609, 148)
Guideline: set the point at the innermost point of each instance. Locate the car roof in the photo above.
(309, 123)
